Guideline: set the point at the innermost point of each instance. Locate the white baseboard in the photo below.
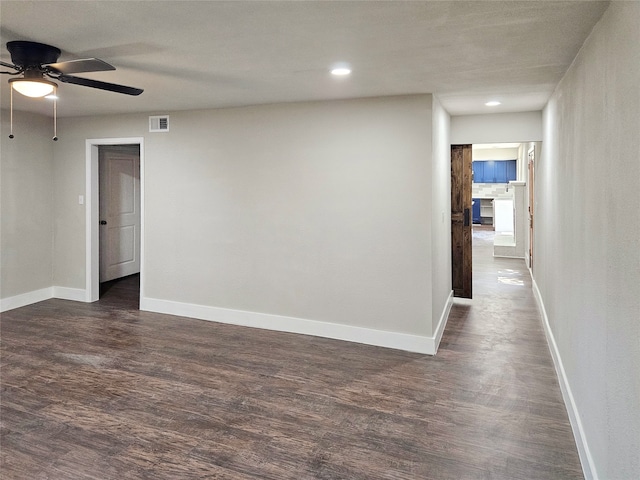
(25, 299)
(586, 459)
(437, 335)
(29, 298)
(66, 293)
(369, 336)
(508, 256)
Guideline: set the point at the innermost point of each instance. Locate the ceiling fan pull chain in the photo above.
(55, 115)
(11, 115)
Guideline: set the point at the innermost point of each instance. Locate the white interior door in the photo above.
(119, 173)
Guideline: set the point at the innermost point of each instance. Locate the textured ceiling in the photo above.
(209, 54)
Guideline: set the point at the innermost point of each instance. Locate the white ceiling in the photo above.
(208, 54)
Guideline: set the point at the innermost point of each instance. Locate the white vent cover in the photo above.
(159, 123)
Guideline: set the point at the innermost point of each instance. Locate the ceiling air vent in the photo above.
(159, 123)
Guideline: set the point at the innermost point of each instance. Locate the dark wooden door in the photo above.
(461, 225)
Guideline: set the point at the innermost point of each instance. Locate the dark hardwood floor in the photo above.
(104, 391)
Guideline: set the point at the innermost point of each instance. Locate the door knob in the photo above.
(103, 222)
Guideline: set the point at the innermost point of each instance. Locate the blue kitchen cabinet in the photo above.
(512, 173)
(475, 208)
(499, 172)
(494, 171)
(478, 172)
(489, 171)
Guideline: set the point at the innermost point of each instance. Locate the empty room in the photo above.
(236, 240)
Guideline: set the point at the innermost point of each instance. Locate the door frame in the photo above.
(531, 168)
(92, 280)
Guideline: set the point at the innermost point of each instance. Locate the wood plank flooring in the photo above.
(104, 391)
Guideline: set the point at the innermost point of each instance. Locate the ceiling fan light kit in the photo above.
(33, 87)
(35, 61)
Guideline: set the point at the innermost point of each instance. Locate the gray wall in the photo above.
(496, 128)
(318, 211)
(587, 262)
(440, 212)
(26, 208)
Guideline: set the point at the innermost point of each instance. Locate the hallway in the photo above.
(497, 342)
(105, 391)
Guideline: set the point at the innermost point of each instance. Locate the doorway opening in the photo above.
(115, 215)
(499, 194)
(119, 209)
(497, 168)
(501, 199)
(123, 292)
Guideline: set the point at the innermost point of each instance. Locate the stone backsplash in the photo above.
(488, 190)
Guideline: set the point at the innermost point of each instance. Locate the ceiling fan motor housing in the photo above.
(32, 54)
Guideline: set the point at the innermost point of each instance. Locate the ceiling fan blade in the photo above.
(80, 65)
(10, 65)
(112, 87)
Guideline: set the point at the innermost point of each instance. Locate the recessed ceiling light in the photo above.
(493, 103)
(341, 71)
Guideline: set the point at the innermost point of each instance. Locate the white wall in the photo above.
(496, 128)
(26, 205)
(441, 217)
(312, 211)
(495, 154)
(69, 181)
(587, 258)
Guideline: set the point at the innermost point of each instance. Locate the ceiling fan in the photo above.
(34, 63)
(37, 61)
